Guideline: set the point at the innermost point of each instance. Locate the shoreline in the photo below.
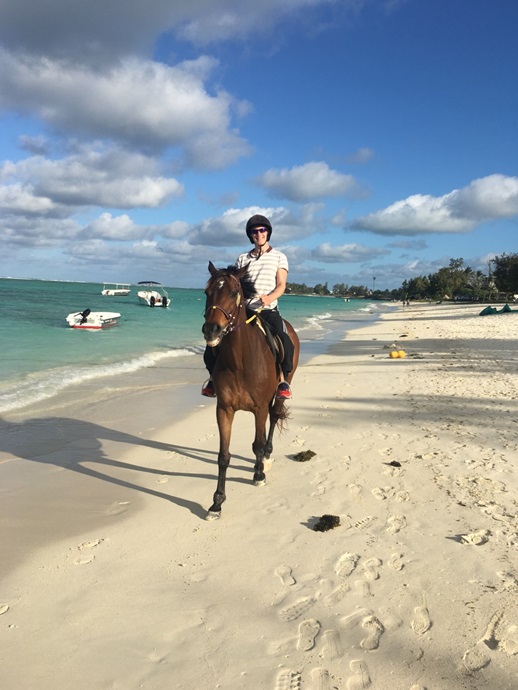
(78, 430)
(413, 455)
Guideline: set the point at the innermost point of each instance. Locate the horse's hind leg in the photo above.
(268, 448)
(224, 419)
(258, 447)
(276, 412)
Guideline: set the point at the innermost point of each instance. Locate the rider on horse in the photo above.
(267, 271)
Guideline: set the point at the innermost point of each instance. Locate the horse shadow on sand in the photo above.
(46, 441)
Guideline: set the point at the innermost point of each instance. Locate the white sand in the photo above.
(112, 579)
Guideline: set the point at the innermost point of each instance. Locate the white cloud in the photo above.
(229, 228)
(306, 182)
(37, 232)
(146, 105)
(346, 253)
(112, 178)
(109, 227)
(488, 198)
(16, 198)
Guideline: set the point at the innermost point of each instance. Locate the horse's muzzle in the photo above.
(212, 333)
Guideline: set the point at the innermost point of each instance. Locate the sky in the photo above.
(380, 137)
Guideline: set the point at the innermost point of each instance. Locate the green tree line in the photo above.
(455, 281)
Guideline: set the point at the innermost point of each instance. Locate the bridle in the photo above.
(232, 315)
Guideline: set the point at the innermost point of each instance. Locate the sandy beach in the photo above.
(111, 578)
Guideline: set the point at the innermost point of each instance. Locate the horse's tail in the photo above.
(279, 414)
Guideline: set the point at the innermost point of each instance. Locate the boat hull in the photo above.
(93, 321)
(116, 289)
(115, 293)
(152, 298)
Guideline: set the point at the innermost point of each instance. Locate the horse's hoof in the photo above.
(259, 482)
(213, 515)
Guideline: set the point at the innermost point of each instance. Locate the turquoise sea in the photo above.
(42, 356)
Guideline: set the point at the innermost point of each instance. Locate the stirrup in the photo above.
(283, 391)
(208, 389)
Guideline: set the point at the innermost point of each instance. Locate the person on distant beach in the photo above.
(268, 272)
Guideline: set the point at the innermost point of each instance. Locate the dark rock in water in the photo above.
(327, 522)
(304, 456)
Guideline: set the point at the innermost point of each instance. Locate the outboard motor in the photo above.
(164, 301)
(84, 315)
(152, 301)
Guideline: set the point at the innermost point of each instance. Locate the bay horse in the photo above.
(245, 375)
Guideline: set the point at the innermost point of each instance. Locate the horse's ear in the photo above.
(212, 268)
(241, 272)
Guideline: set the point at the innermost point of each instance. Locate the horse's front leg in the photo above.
(224, 418)
(258, 446)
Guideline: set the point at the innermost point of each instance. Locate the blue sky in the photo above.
(379, 136)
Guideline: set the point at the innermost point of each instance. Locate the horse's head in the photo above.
(224, 306)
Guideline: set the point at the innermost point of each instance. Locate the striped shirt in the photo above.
(263, 273)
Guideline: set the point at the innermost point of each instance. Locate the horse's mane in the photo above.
(246, 283)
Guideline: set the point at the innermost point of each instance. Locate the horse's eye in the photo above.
(234, 294)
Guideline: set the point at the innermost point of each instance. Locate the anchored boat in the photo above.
(93, 320)
(152, 294)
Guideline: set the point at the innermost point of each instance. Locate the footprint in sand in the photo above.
(295, 610)
(364, 588)
(360, 678)
(476, 538)
(395, 523)
(370, 568)
(396, 561)
(308, 631)
(346, 564)
(118, 508)
(391, 621)
(365, 522)
(162, 480)
(475, 658)
(89, 544)
(322, 679)
(354, 618)
(284, 572)
(331, 647)
(379, 493)
(374, 629)
(289, 680)
(509, 641)
(83, 559)
(422, 621)
(337, 594)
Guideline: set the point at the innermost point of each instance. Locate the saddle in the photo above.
(273, 340)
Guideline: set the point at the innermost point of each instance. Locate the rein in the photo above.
(231, 317)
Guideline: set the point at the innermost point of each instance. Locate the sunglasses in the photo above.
(255, 231)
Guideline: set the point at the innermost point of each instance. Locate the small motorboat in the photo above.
(116, 289)
(93, 320)
(153, 294)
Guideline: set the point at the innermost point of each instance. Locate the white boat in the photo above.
(93, 320)
(152, 294)
(116, 289)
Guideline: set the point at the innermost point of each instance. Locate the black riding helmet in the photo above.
(256, 222)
